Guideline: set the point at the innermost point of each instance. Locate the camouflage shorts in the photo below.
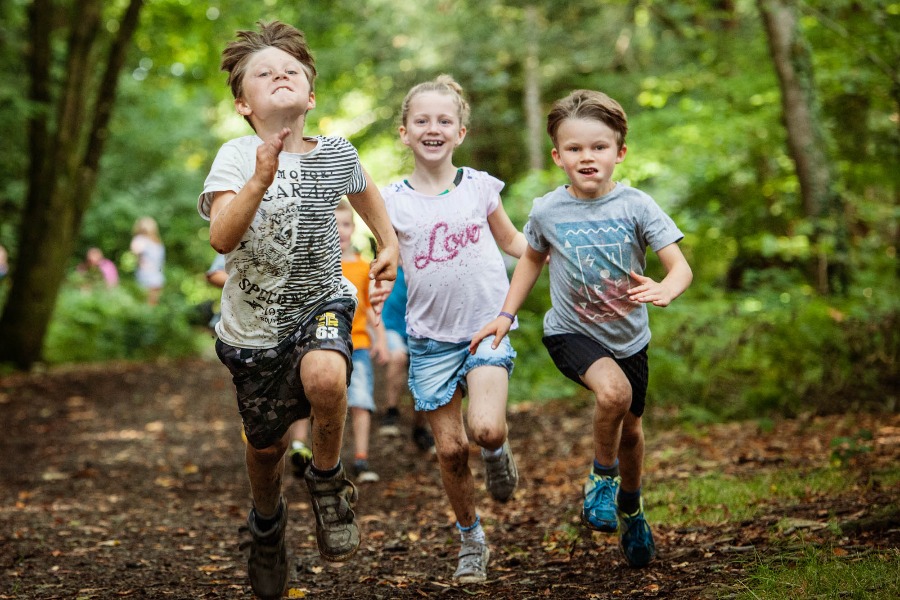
(270, 394)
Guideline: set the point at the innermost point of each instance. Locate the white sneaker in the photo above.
(473, 560)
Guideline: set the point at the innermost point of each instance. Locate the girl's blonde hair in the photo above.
(443, 84)
(147, 226)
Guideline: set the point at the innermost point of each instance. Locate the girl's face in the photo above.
(586, 149)
(433, 128)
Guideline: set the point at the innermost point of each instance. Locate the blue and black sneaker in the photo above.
(637, 539)
(599, 512)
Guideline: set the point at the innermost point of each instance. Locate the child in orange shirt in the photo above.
(369, 343)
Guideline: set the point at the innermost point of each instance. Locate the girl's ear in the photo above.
(404, 135)
(462, 136)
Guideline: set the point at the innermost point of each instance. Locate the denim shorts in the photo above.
(395, 341)
(270, 394)
(361, 391)
(437, 368)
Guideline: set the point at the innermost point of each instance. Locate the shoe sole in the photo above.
(338, 557)
(602, 528)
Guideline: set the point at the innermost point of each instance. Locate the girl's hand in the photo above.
(379, 290)
(498, 328)
(650, 291)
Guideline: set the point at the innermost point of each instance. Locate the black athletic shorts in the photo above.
(267, 380)
(574, 353)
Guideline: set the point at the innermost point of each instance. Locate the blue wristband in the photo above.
(507, 315)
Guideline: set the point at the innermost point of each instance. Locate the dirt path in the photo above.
(127, 481)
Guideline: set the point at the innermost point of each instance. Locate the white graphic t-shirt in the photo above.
(289, 260)
(455, 275)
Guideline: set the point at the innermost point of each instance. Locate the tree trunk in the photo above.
(63, 159)
(532, 97)
(805, 138)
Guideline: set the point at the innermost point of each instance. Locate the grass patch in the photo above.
(718, 498)
(825, 573)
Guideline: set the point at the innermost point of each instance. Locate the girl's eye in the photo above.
(264, 74)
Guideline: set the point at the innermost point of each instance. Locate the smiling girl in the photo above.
(450, 222)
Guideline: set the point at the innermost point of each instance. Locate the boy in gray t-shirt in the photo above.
(597, 232)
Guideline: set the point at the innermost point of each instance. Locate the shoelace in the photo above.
(601, 491)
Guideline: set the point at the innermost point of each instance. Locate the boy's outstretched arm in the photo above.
(527, 271)
(370, 206)
(230, 214)
(678, 278)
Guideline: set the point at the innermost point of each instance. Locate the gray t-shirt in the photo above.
(593, 245)
(289, 261)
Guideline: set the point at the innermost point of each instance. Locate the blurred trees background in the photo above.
(768, 129)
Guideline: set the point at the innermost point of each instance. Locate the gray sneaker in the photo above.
(473, 561)
(337, 534)
(268, 562)
(501, 474)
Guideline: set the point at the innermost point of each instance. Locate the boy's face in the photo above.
(432, 129)
(587, 151)
(275, 85)
(346, 227)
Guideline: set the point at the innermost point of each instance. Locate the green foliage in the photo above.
(825, 573)
(766, 354)
(93, 323)
(845, 448)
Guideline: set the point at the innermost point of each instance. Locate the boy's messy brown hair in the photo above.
(588, 104)
(276, 35)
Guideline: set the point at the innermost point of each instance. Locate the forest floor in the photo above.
(127, 481)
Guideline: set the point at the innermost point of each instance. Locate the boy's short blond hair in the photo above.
(588, 104)
(275, 35)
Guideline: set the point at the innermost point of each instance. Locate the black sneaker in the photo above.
(390, 423)
(337, 534)
(423, 439)
(363, 473)
(267, 564)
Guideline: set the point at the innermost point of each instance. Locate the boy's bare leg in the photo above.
(361, 420)
(631, 452)
(488, 390)
(324, 377)
(395, 379)
(265, 469)
(453, 457)
(612, 392)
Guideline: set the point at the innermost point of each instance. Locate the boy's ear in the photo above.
(556, 159)
(312, 102)
(242, 107)
(621, 155)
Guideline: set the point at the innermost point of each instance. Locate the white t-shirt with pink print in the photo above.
(455, 274)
